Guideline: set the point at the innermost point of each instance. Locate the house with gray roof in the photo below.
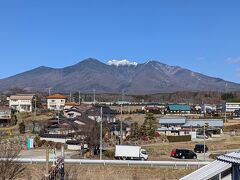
(172, 121)
(195, 123)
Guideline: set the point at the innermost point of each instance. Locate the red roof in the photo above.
(56, 96)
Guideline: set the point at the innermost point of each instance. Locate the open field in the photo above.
(92, 172)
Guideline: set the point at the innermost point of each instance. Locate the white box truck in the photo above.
(125, 152)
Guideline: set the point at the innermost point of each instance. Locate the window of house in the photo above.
(52, 100)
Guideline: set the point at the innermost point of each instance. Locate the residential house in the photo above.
(5, 115)
(115, 128)
(56, 102)
(179, 108)
(76, 111)
(64, 129)
(180, 126)
(230, 107)
(196, 123)
(69, 105)
(108, 114)
(21, 102)
(72, 112)
(174, 122)
(209, 108)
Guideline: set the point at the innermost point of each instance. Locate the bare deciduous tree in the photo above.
(8, 168)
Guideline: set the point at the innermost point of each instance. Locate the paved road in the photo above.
(201, 155)
(41, 153)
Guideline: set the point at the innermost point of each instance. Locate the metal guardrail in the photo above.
(174, 164)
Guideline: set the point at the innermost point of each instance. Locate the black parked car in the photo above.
(183, 154)
(200, 148)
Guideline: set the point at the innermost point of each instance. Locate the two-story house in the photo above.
(21, 102)
(56, 102)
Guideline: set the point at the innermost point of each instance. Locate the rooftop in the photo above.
(22, 97)
(179, 107)
(233, 157)
(56, 96)
(202, 122)
(208, 171)
(180, 120)
(71, 104)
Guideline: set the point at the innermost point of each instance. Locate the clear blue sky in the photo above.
(201, 35)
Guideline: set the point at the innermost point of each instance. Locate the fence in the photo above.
(173, 164)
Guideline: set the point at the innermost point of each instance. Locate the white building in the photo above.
(230, 107)
(207, 108)
(21, 102)
(56, 102)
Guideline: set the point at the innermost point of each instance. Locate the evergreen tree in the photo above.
(134, 130)
(149, 125)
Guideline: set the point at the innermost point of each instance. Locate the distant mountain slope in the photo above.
(89, 74)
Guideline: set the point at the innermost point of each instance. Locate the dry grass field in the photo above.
(100, 172)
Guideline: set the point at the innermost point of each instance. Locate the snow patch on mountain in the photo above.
(123, 62)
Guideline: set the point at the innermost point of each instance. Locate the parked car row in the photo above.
(188, 154)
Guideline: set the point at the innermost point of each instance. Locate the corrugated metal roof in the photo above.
(233, 157)
(208, 171)
(202, 122)
(167, 121)
(179, 107)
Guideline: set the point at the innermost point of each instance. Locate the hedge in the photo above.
(179, 138)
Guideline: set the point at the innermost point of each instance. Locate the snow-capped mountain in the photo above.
(116, 77)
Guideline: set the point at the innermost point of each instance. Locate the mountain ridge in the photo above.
(146, 78)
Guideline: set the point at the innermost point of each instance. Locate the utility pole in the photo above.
(47, 162)
(225, 113)
(204, 146)
(70, 97)
(101, 136)
(94, 91)
(35, 106)
(79, 98)
(121, 132)
(58, 113)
